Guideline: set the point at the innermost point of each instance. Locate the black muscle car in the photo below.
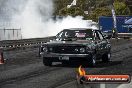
(77, 44)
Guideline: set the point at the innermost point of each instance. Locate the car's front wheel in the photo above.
(47, 62)
(106, 57)
(93, 60)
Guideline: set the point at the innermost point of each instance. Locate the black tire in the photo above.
(47, 62)
(93, 60)
(106, 57)
(39, 49)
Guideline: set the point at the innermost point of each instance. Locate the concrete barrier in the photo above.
(24, 43)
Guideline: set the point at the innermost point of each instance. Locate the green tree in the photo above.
(73, 11)
(95, 8)
(59, 4)
(102, 11)
(121, 8)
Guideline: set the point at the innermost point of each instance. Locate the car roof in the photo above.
(81, 29)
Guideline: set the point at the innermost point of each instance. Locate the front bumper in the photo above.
(71, 57)
(58, 55)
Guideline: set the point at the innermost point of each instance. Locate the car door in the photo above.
(103, 43)
(98, 44)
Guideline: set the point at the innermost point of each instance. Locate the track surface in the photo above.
(24, 69)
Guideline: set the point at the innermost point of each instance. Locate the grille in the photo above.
(66, 49)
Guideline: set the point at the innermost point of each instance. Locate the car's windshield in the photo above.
(76, 34)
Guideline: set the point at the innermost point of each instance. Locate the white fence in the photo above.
(10, 34)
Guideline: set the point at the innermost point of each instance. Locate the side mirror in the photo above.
(106, 37)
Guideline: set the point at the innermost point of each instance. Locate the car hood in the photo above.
(77, 42)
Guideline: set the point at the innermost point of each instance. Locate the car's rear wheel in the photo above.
(106, 57)
(47, 62)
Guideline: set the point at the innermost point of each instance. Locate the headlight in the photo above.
(90, 48)
(45, 49)
(82, 50)
(50, 49)
(76, 50)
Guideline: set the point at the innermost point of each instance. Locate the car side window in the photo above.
(100, 35)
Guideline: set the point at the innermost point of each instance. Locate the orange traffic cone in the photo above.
(1, 58)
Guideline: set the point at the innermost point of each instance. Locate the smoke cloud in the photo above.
(34, 17)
